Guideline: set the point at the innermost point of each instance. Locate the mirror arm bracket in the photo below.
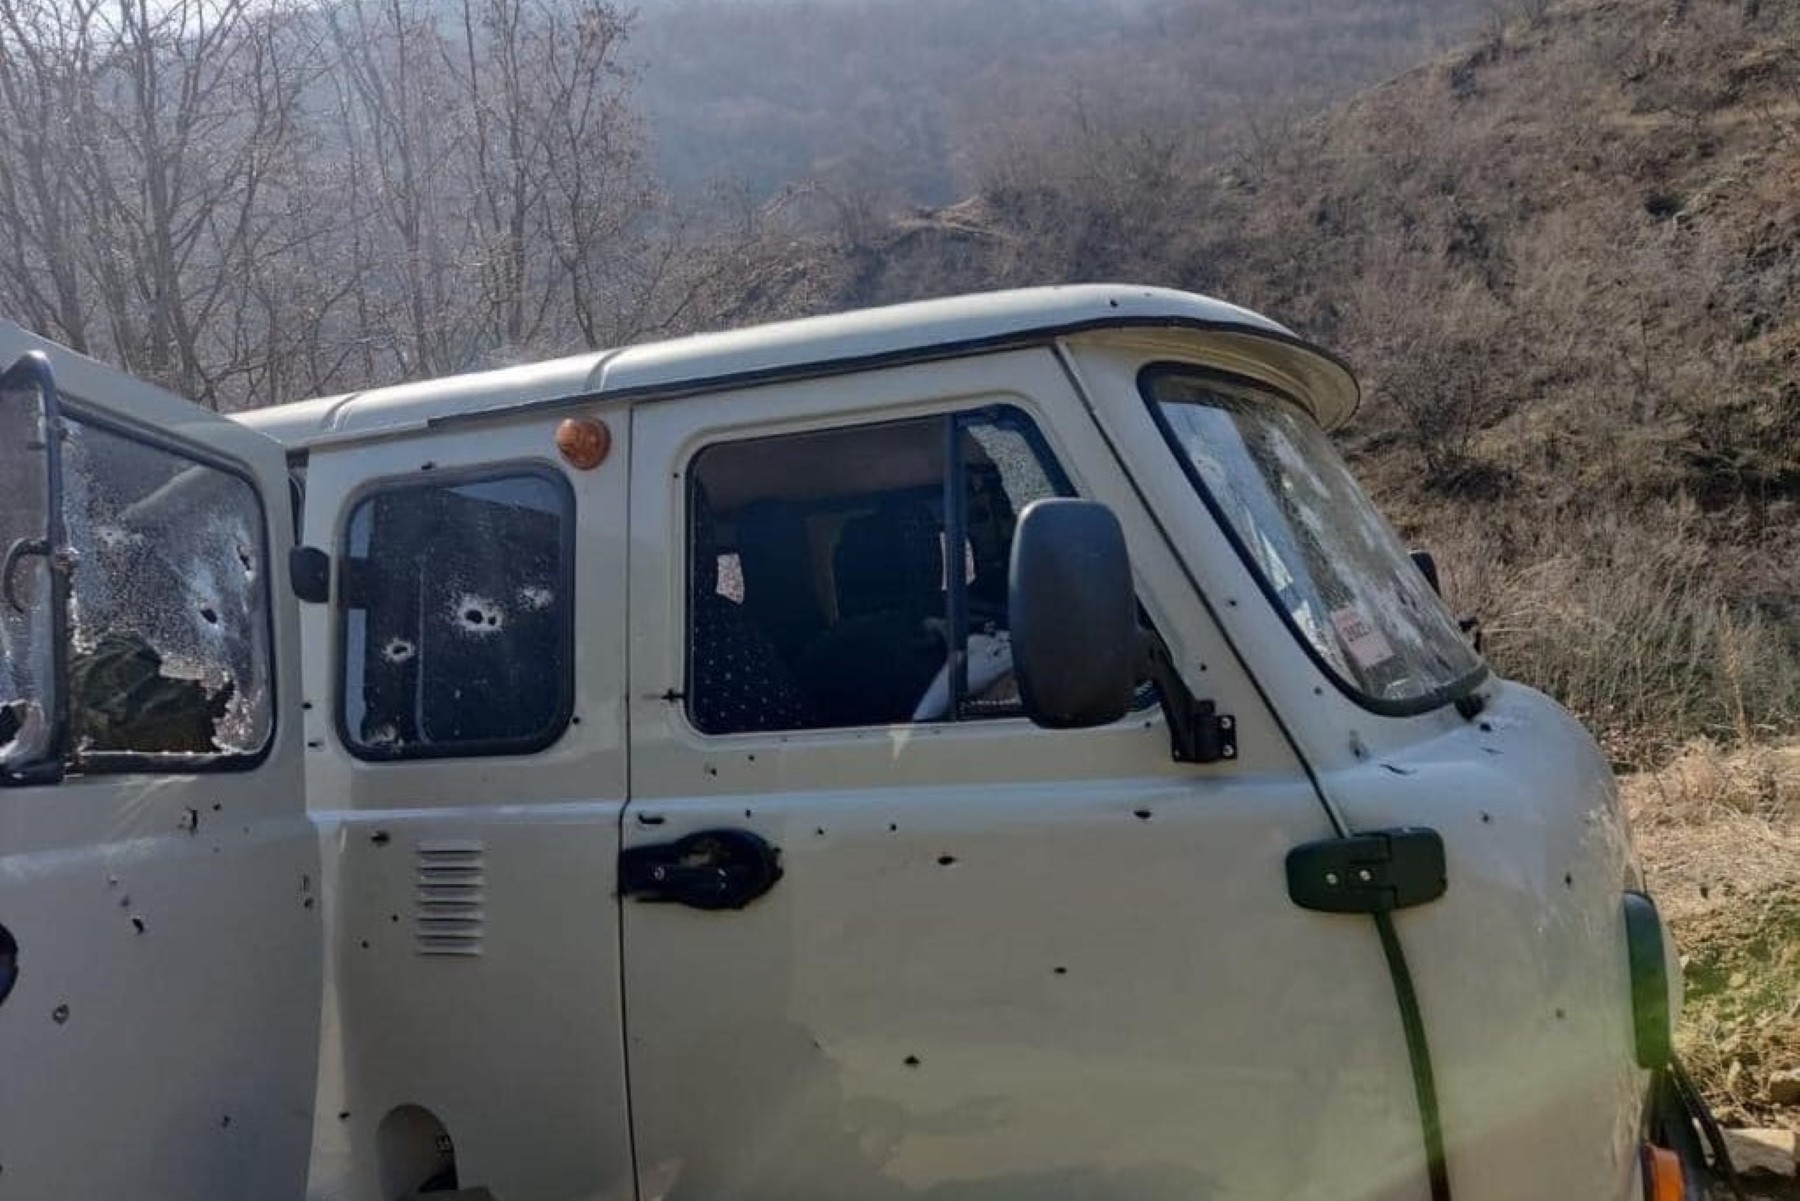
(1198, 732)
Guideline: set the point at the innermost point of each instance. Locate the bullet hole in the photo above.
(137, 925)
(343, 1115)
(1706, 892)
(210, 614)
(1061, 971)
(1487, 819)
(315, 744)
(246, 560)
(710, 770)
(190, 821)
(1560, 1015)
(750, 758)
(364, 944)
(306, 705)
(307, 903)
(820, 831)
(1142, 815)
(912, 1061)
(575, 719)
(1232, 602)
(394, 917)
(893, 828)
(60, 1014)
(1486, 727)
(1318, 691)
(748, 814)
(946, 860)
(1569, 879)
(427, 465)
(218, 807)
(125, 901)
(1203, 667)
(225, 1122)
(478, 615)
(536, 599)
(398, 650)
(381, 838)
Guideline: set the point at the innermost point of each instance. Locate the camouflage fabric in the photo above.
(120, 700)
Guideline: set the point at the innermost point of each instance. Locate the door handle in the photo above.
(712, 869)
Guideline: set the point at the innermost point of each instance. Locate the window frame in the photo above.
(444, 478)
(1147, 376)
(104, 763)
(1007, 414)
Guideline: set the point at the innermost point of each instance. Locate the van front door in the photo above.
(159, 910)
(885, 938)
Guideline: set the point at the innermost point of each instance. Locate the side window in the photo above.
(169, 606)
(832, 574)
(458, 616)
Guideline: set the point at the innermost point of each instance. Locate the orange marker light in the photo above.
(583, 442)
(1662, 1175)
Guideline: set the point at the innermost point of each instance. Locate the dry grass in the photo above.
(1719, 832)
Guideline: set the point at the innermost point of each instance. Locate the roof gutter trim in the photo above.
(822, 368)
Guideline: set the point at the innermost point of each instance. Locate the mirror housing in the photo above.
(1075, 640)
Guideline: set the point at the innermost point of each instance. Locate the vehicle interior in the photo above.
(819, 591)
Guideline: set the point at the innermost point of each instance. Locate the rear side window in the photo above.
(458, 616)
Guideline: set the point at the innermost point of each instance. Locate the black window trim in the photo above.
(114, 763)
(1147, 377)
(437, 477)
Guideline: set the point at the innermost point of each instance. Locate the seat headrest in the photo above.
(889, 559)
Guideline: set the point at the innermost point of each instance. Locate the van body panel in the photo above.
(1520, 967)
(509, 1038)
(162, 1037)
(1002, 961)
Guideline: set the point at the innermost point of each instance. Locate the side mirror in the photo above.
(1075, 641)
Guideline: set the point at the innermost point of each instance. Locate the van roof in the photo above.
(810, 346)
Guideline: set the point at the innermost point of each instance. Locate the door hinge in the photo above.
(1203, 735)
(1374, 872)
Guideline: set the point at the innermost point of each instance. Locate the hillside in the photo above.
(891, 99)
(1565, 260)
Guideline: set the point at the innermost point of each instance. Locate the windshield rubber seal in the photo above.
(1437, 698)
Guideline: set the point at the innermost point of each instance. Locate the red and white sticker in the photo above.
(1366, 644)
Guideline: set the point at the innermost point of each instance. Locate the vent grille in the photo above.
(449, 918)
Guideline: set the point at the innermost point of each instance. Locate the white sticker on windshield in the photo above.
(1366, 644)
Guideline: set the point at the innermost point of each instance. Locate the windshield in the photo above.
(1324, 555)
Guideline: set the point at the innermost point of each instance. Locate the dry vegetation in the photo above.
(1720, 836)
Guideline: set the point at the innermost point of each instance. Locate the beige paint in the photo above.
(184, 1068)
(1103, 993)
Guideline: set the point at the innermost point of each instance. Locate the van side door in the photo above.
(159, 899)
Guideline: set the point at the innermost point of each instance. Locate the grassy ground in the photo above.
(1719, 832)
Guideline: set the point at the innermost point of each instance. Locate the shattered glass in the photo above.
(169, 646)
(1342, 576)
(456, 627)
(25, 630)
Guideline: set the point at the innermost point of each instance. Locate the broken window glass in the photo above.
(169, 606)
(1338, 573)
(458, 631)
(26, 650)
